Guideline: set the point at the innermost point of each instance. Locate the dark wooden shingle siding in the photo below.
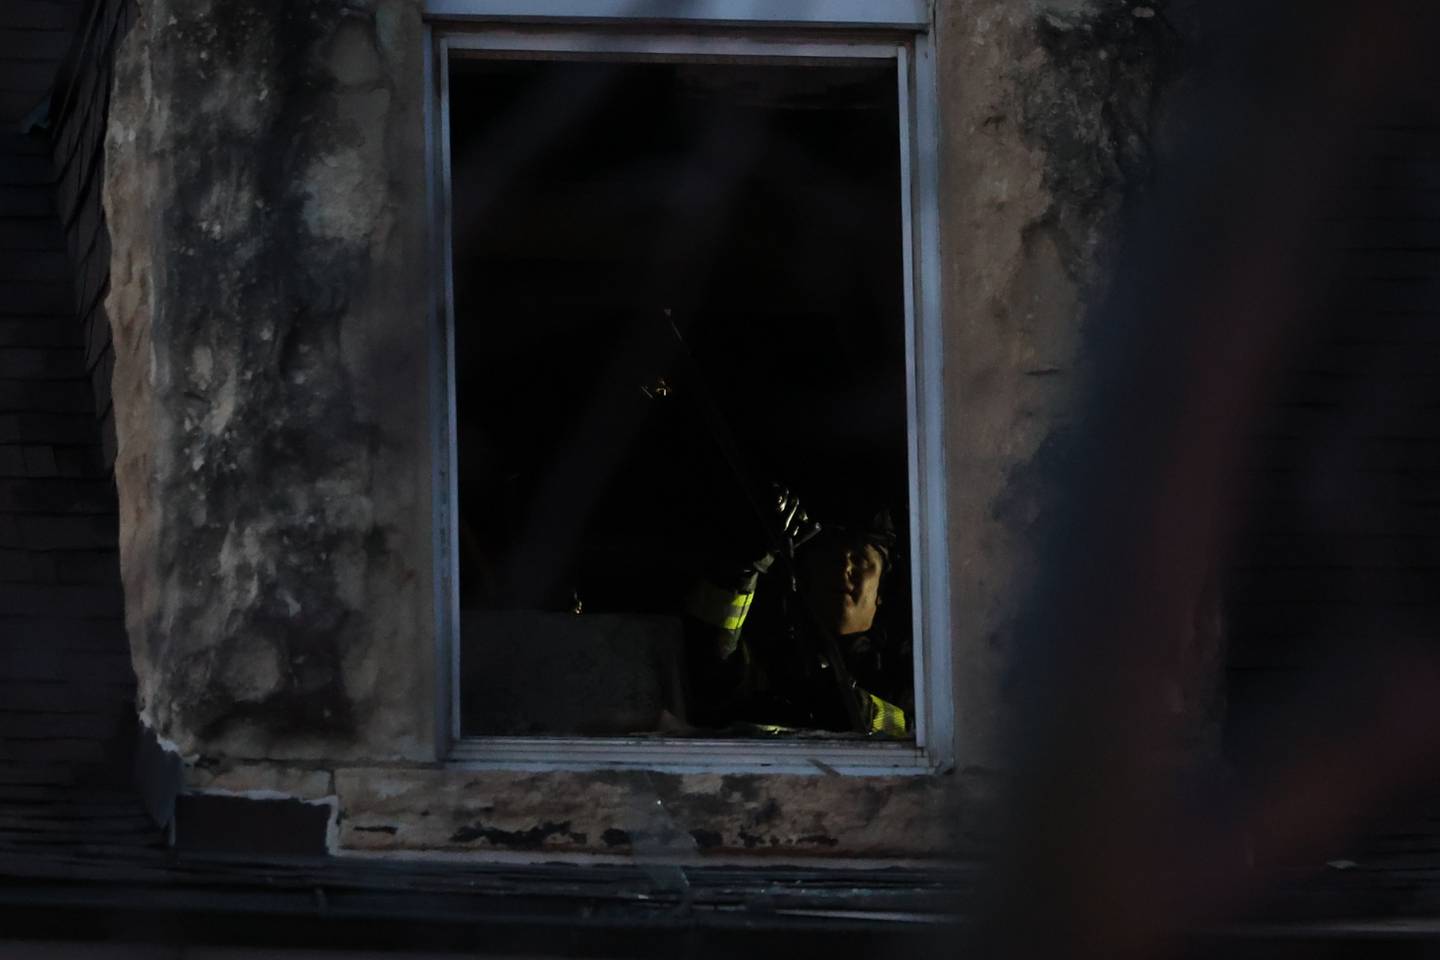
(78, 137)
(35, 37)
(66, 685)
(1338, 564)
(67, 688)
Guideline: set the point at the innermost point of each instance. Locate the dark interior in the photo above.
(674, 284)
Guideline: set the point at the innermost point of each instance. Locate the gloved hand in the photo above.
(795, 527)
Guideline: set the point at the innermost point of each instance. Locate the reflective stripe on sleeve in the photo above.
(725, 609)
(886, 718)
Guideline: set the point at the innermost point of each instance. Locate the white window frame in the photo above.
(769, 31)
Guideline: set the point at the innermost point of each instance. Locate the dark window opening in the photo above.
(676, 284)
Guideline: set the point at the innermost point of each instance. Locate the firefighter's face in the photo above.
(842, 584)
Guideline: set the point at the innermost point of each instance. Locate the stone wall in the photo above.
(1048, 112)
(265, 193)
(266, 189)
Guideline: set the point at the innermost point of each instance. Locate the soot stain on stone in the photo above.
(743, 787)
(531, 839)
(707, 839)
(615, 838)
(292, 406)
(870, 803)
(1092, 109)
(769, 811)
(383, 828)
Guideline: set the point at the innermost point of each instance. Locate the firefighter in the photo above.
(778, 669)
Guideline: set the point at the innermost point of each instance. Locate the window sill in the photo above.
(828, 756)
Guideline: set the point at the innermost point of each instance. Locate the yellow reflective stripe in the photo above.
(885, 717)
(725, 609)
(739, 610)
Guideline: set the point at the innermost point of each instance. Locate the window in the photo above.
(680, 265)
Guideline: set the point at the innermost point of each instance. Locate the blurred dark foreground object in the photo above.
(1264, 242)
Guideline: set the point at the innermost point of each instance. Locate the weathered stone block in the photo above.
(261, 778)
(269, 299)
(645, 815)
